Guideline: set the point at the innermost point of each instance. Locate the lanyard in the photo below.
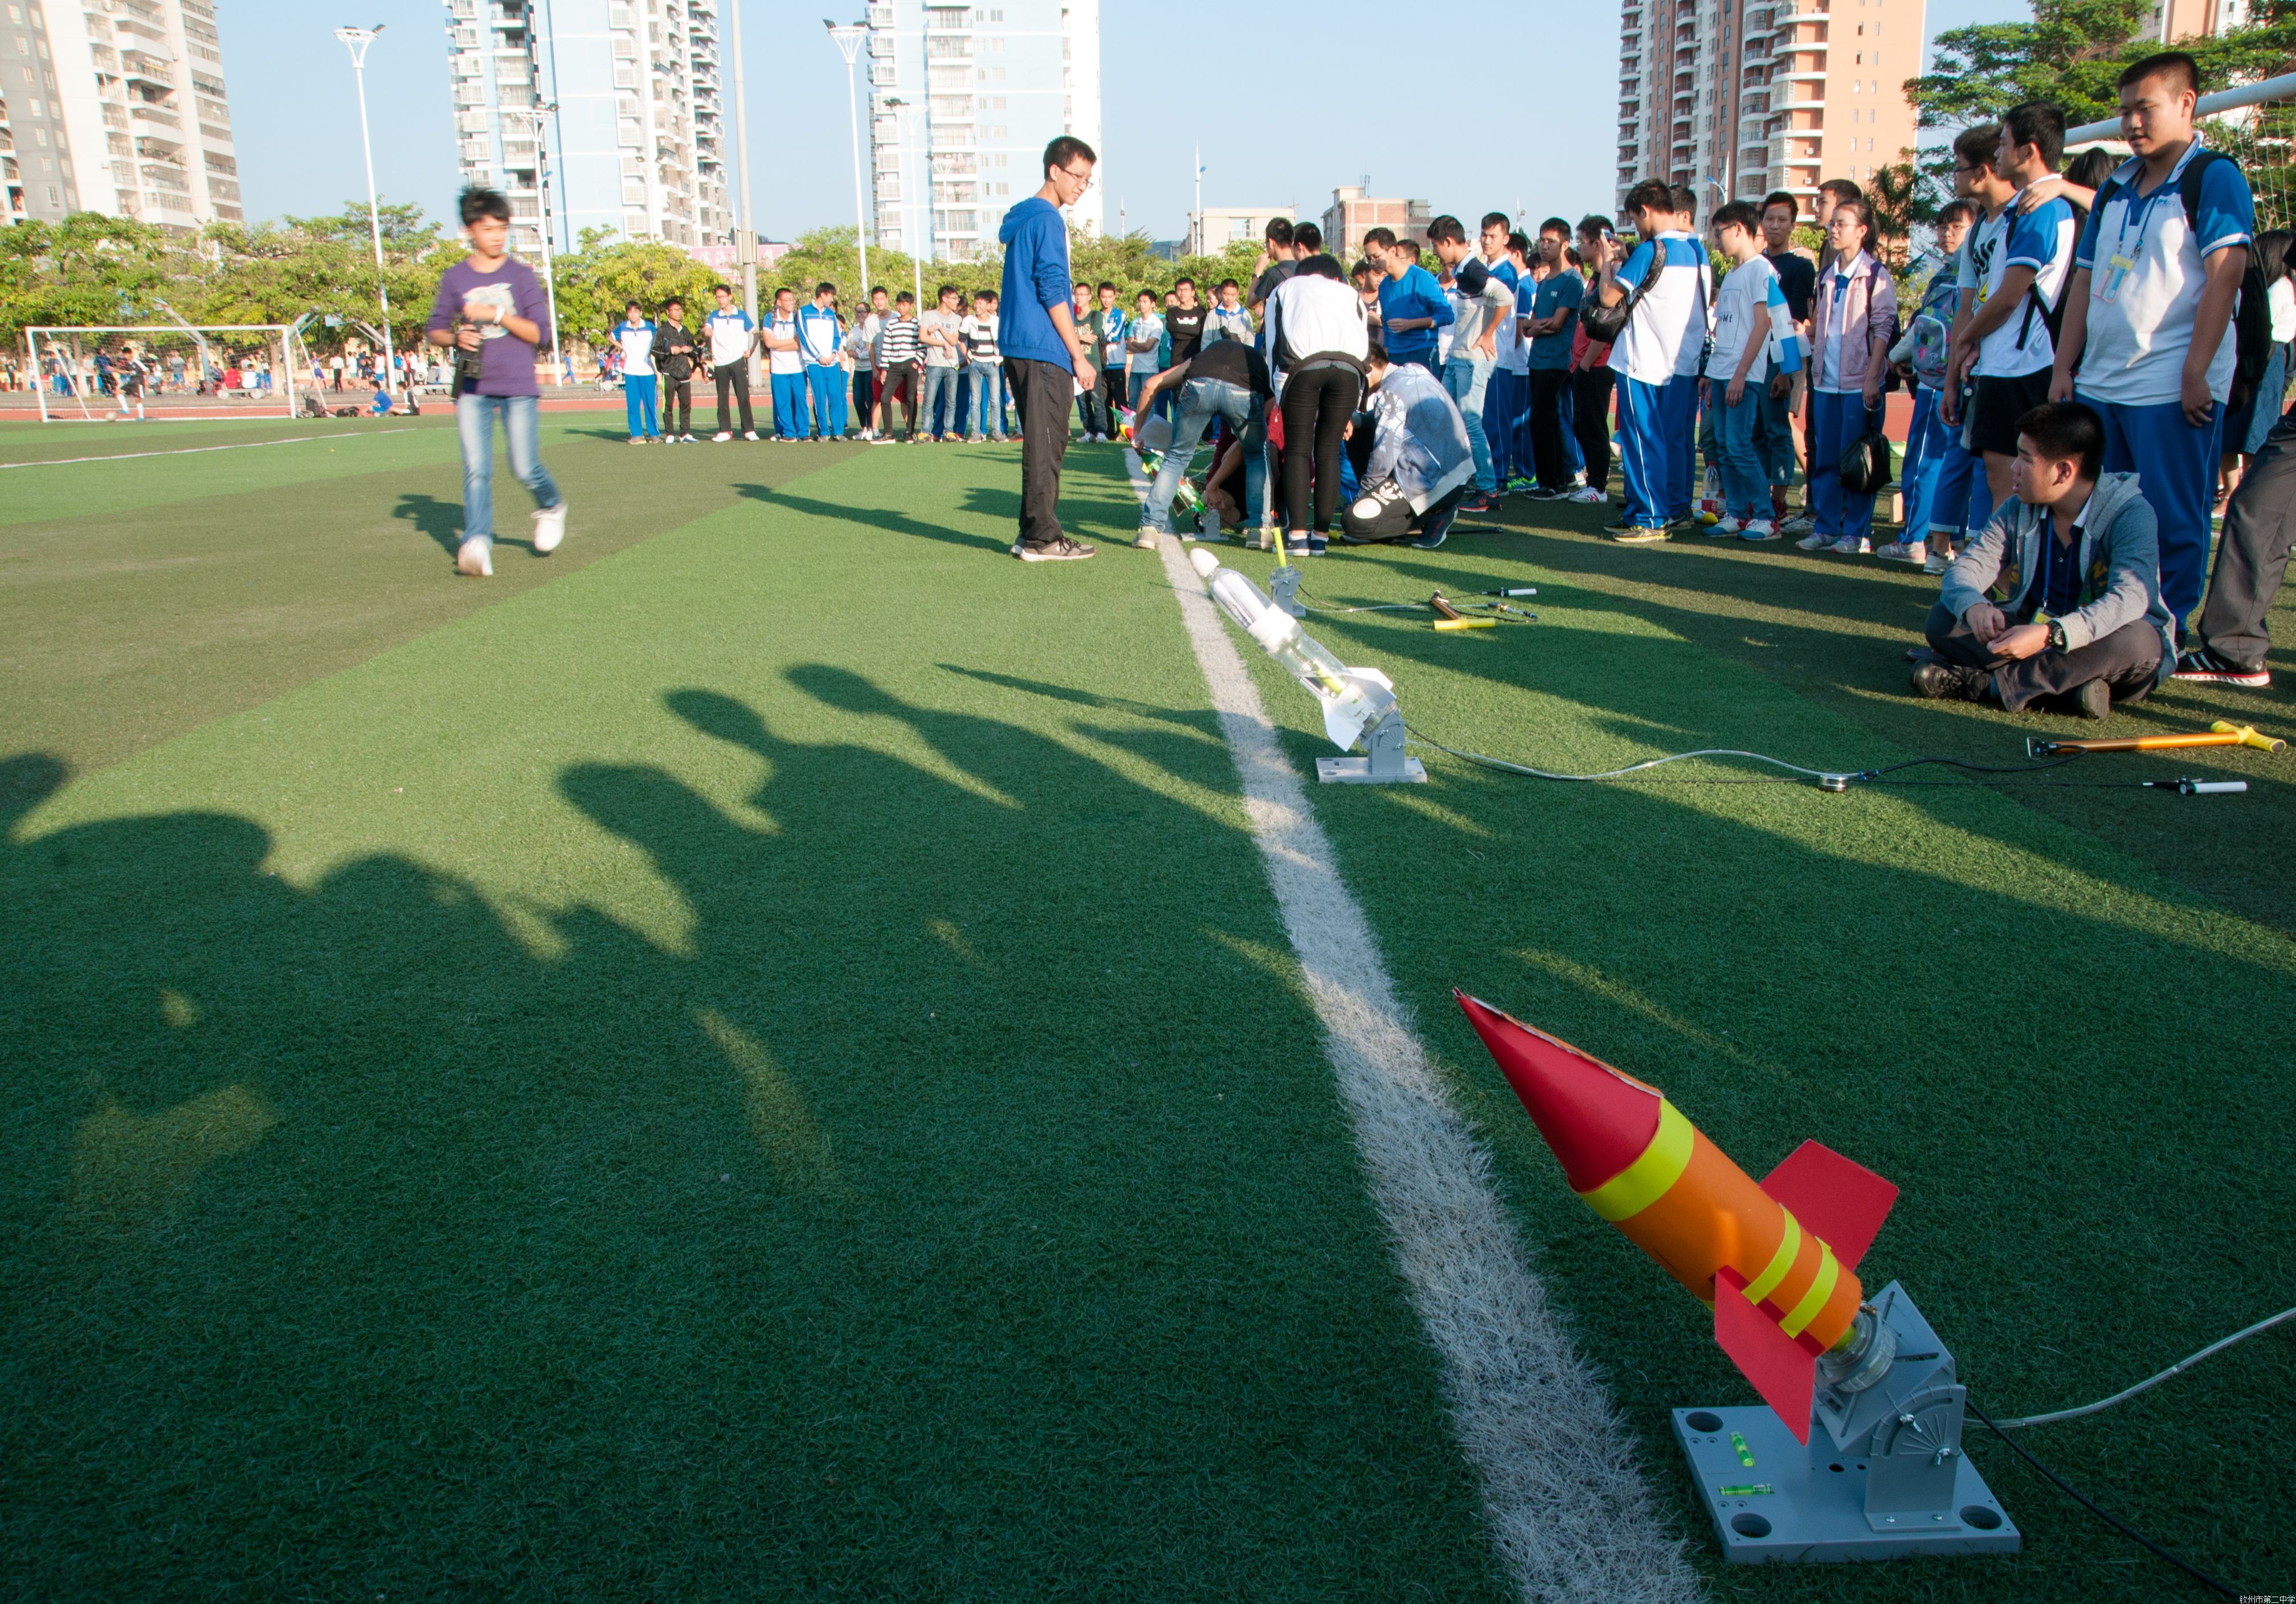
(2142, 212)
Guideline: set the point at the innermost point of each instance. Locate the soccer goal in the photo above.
(92, 373)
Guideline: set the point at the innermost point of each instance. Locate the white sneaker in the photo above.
(549, 527)
(472, 559)
(1814, 541)
(1589, 497)
(1726, 526)
(1852, 545)
(1759, 528)
(687, 439)
(747, 434)
(1904, 550)
(721, 436)
(1938, 563)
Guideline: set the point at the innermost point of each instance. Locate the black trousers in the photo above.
(677, 402)
(1590, 415)
(2252, 553)
(1546, 453)
(734, 375)
(2126, 660)
(1317, 404)
(865, 396)
(1040, 392)
(1090, 403)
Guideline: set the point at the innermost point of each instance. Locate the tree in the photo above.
(597, 284)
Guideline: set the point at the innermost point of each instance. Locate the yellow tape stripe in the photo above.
(1652, 1174)
(1829, 1271)
(1781, 1262)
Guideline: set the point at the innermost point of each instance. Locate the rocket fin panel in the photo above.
(1841, 1202)
(1783, 1371)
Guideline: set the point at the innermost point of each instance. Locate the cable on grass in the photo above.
(2122, 1396)
(2115, 1522)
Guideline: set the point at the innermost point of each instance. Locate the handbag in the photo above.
(1866, 466)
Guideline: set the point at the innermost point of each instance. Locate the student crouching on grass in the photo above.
(490, 307)
(1416, 465)
(2060, 595)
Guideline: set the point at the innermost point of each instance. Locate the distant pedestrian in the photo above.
(821, 341)
(733, 336)
(634, 344)
(676, 352)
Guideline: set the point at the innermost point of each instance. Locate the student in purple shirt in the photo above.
(490, 308)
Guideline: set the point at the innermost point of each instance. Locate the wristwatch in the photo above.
(2057, 633)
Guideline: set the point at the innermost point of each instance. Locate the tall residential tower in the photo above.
(116, 106)
(983, 89)
(1741, 97)
(636, 141)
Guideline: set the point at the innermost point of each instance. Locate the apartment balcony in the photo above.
(144, 111)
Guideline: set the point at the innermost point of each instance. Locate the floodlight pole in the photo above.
(848, 43)
(533, 118)
(358, 39)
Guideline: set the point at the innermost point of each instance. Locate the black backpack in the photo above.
(2253, 319)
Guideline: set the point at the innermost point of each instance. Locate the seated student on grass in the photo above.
(2060, 596)
(1415, 465)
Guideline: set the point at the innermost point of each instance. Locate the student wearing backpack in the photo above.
(2014, 278)
(2158, 272)
(1921, 358)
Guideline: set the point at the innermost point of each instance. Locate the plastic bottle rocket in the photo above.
(1353, 698)
(1776, 1262)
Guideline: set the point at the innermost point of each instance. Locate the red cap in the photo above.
(1597, 1120)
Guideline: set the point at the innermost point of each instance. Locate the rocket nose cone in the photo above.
(1597, 1120)
(1202, 562)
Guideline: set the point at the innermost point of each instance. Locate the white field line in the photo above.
(1566, 1504)
(129, 456)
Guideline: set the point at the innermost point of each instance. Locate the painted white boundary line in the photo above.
(1567, 1506)
(130, 456)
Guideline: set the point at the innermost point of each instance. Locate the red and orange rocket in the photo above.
(1776, 1262)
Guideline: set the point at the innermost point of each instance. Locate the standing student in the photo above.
(1776, 429)
(942, 331)
(1228, 320)
(861, 354)
(1483, 301)
(1920, 354)
(821, 341)
(2157, 274)
(785, 367)
(1279, 260)
(1316, 341)
(1960, 501)
(1143, 341)
(2013, 279)
(1591, 382)
(676, 352)
(733, 338)
(1753, 330)
(1854, 312)
(983, 371)
(1411, 303)
(1045, 359)
(490, 305)
(1667, 329)
(1509, 392)
(900, 360)
(633, 339)
(1552, 322)
(1091, 407)
(1111, 321)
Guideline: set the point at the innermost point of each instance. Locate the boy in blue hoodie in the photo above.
(1044, 361)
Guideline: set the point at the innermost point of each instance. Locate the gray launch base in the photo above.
(1883, 1476)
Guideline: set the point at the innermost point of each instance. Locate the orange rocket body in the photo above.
(1776, 1260)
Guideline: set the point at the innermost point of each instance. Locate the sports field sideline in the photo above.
(756, 1057)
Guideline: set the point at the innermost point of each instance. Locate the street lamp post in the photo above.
(745, 219)
(533, 118)
(358, 39)
(848, 43)
(905, 114)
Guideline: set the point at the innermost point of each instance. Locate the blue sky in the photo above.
(1536, 131)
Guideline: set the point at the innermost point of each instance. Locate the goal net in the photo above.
(96, 374)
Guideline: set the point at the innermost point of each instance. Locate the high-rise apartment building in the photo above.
(963, 99)
(634, 136)
(116, 106)
(1740, 97)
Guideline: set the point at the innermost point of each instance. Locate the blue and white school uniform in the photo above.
(1660, 346)
(821, 341)
(2147, 264)
(635, 340)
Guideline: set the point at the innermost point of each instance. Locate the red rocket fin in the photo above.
(1833, 1198)
(1782, 1370)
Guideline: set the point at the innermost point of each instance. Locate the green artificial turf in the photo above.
(2058, 1019)
(754, 1057)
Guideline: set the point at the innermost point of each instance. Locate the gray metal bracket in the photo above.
(1383, 762)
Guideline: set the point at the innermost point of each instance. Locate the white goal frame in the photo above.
(45, 340)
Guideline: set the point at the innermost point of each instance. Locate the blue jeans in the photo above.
(474, 426)
(986, 414)
(826, 385)
(1201, 400)
(789, 405)
(638, 401)
(1469, 379)
(1925, 442)
(2178, 466)
(1774, 437)
(1837, 421)
(1745, 491)
(940, 385)
(1425, 359)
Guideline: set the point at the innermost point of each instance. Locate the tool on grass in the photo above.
(2196, 788)
(2218, 735)
(1456, 622)
(1443, 609)
(1887, 1478)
